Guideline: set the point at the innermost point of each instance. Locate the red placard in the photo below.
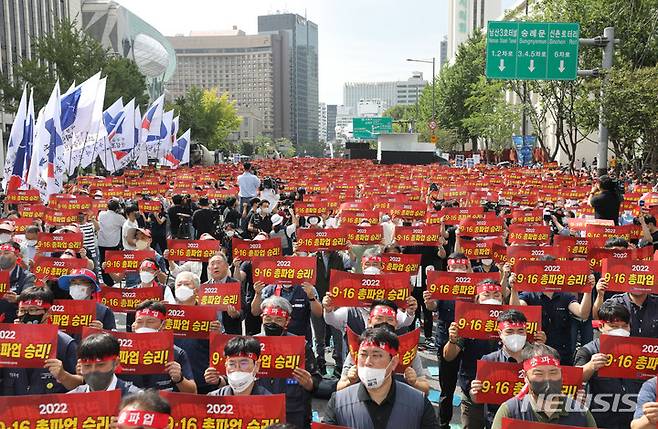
(27, 346)
(4, 282)
(508, 423)
(72, 315)
(481, 228)
(284, 270)
(597, 255)
(599, 234)
(451, 286)
(32, 211)
(533, 253)
(21, 223)
(59, 242)
(408, 348)
(478, 321)
(279, 355)
(400, 263)
(454, 215)
(534, 216)
(533, 234)
(422, 235)
(577, 247)
(53, 268)
(119, 261)
(552, 276)
(306, 208)
(243, 249)
(415, 210)
(630, 276)
(142, 353)
(189, 411)
(502, 381)
(149, 206)
(480, 249)
(190, 321)
(317, 425)
(77, 410)
(23, 196)
(67, 202)
(192, 250)
(60, 217)
(629, 357)
(220, 295)
(124, 300)
(365, 234)
(355, 217)
(314, 239)
(359, 290)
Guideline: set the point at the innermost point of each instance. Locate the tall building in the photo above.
(253, 69)
(322, 122)
(303, 76)
(370, 108)
(332, 112)
(390, 93)
(467, 16)
(408, 91)
(443, 52)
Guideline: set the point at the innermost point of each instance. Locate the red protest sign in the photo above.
(317, 425)
(478, 321)
(629, 357)
(525, 424)
(359, 290)
(451, 286)
(633, 276)
(365, 234)
(355, 217)
(534, 216)
(4, 282)
(235, 412)
(27, 346)
(400, 263)
(284, 270)
(481, 228)
(597, 255)
(53, 268)
(123, 300)
(415, 210)
(480, 249)
(22, 196)
(220, 295)
(142, 353)
(77, 410)
(454, 215)
(59, 242)
(422, 235)
(533, 253)
(149, 206)
(32, 211)
(577, 247)
(314, 239)
(278, 355)
(60, 217)
(192, 250)
(533, 234)
(599, 234)
(552, 276)
(307, 208)
(72, 315)
(21, 223)
(407, 351)
(66, 202)
(243, 249)
(119, 261)
(190, 321)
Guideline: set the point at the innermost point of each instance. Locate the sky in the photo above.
(360, 40)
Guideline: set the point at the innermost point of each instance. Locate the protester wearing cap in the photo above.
(378, 401)
(383, 314)
(19, 279)
(150, 317)
(6, 232)
(128, 238)
(262, 220)
(98, 362)
(242, 360)
(143, 241)
(58, 374)
(544, 401)
(284, 229)
(82, 284)
(195, 267)
(143, 410)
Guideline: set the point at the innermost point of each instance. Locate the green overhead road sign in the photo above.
(370, 128)
(532, 50)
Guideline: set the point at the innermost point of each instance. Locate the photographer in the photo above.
(606, 197)
(204, 218)
(649, 230)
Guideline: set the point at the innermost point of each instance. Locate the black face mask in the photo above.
(386, 326)
(546, 387)
(29, 319)
(273, 330)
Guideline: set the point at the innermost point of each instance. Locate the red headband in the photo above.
(34, 302)
(543, 360)
(382, 310)
(150, 313)
(488, 287)
(148, 264)
(510, 325)
(275, 312)
(388, 349)
(98, 360)
(252, 356)
(143, 418)
(368, 259)
(6, 247)
(459, 261)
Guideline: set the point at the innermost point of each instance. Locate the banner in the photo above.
(32, 211)
(479, 249)
(533, 253)
(119, 261)
(279, 355)
(534, 234)
(141, 353)
(451, 286)
(307, 208)
(72, 315)
(5, 285)
(284, 270)
(59, 242)
(220, 295)
(128, 299)
(365, 235)
(60, 217)
(481, 228)
(629, 357)
(244, 249)
(479, 321)
(597, 255)
(192, 250)
(400, 263)
(411, 210)
(79, 203)
(634, 277)
(27, 346)
(18, 196)
(552, 276)
(149, 206)
(423, 235)
(21, 223)
(46, 268)
(599, 234)
(314, 239)
(190, 321)
(359, 290)
(77, 410)
(577, 247)
(534, 216)
(454, 215)
(407, 351)
(190, 411)
(355, 217)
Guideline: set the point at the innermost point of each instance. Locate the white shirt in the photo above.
(248, 184)
(109, 232)
(128, 225)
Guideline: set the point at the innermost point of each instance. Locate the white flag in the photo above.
(19, 147)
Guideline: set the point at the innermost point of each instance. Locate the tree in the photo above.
(402, 115)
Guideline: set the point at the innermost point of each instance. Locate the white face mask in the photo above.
(5, 238)
(313, 221)
(619, 332)
(514, 342)
(142, 244)
(79, 292)
(372, 378)
(487, 261)
(264, 210)
(183, 293)
(145, 330)
(239, 380)
(146, 277)
(491, 301)
(371, 270)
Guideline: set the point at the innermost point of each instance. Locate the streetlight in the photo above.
(433, 62)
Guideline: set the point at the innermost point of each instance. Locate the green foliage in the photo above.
(402, 115)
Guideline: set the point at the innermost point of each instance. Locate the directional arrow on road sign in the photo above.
(501, 67)
(561, 68)
(532, 66)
